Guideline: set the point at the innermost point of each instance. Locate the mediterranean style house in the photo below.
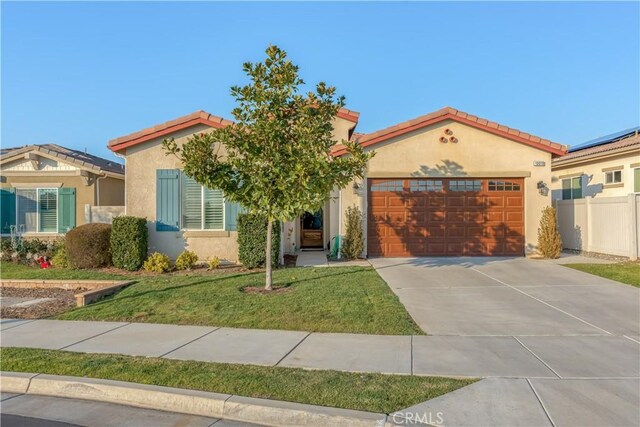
(45, 188)
(447, 183)
(604, 167)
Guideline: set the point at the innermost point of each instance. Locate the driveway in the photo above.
(510, 296)
(498, 317)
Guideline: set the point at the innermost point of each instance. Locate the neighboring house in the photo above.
(604, 167)
(45, 188)
(447, 183)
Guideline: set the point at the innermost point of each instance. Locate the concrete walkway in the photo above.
(312, 259)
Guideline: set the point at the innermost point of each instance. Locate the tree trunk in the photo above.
(268, 281)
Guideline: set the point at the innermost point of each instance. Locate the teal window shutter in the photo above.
(7, 209)
(231, 211)
(66, 209)
(167, 200)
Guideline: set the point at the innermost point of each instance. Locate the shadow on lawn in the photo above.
(278, 282)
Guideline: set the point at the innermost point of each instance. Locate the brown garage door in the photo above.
(445, 216)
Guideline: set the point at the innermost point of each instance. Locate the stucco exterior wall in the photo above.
(110, 191)
(476, 154)
(593, 175)
(142, 161)
(85, 194)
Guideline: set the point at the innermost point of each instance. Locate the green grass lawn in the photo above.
(336, 299)
(625, 272)
(366, 392)
(11, 270)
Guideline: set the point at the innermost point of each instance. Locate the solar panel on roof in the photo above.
(604, 139)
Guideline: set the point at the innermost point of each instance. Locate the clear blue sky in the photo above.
(79, 74)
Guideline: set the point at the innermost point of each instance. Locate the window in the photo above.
(394, 185)
(202, 208)
(572, 188)
(636, 180)
(503, 186)
(465, 185)
(425, 185)
(613, 177)
(37, 210)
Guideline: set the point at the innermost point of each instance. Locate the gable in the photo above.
(43, 164)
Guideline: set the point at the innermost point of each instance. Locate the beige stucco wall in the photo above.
(111, 191)
(85, 194)
(593, 175)
(476, 154)
(142, 161)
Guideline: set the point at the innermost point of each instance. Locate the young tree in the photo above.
(277, 160)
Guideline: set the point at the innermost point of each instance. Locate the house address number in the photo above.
(539, 163)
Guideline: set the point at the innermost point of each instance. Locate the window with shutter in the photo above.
(201, 208)
(27, 209)
(191, 204)
(48, 210)
(213, 209)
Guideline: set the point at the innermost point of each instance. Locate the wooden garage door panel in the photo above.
(435, 220)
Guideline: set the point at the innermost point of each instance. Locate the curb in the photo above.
(193, 402)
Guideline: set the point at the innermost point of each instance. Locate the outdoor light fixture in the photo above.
(356, 188)
(542, 188)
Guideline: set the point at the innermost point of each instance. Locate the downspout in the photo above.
(98, 189)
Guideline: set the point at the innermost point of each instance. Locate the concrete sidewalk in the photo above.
(532, 379)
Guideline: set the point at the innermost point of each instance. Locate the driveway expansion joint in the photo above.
(541, 403)
(537, 357)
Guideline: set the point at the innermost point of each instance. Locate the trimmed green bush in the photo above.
(88, 246)
(61, 258)
(186, 260)
(353, 243)
(129, 237)
(157, 263)
(252, 240)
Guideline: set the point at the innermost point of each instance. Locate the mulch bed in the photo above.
(63, 300)
(290, 260)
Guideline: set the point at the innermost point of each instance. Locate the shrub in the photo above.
(252, 240)
(549, 240)
(157, 263)
(186, 260)
(214, 263)
(353, 243)
(129, 237)
(88, 246)
(61, 258)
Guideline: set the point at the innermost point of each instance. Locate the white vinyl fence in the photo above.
(606, 225)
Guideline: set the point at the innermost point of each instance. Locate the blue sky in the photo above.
(79, 74)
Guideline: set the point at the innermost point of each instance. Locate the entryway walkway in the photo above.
(312, 259)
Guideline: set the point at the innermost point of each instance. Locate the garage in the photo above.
(445, 217)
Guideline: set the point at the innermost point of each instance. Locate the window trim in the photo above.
(37, 230)
(613, 174)
(202, 204)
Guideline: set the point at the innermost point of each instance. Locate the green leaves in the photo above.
(275, 159)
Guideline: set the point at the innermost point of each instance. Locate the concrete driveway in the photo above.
(510, 296)
(498, 317)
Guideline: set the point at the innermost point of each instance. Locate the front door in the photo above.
(311, 230)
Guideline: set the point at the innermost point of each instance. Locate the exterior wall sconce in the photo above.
(357, 187)
(542, 188)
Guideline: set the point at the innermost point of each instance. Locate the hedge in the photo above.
(252, 240)
(88, 246)
(129, 238)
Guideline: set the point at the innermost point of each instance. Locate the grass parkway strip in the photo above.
(365, 392)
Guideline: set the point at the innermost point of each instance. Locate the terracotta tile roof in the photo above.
(75, 157)
(166, 128)
(449, 113)
(195, 118)
(631, 142)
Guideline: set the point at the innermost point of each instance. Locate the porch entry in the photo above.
(311, 230)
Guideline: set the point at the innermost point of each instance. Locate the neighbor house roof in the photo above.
(449, 113)
(198, 117)
(80, 159)
(619, 143)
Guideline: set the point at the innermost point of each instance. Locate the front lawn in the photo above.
(336, 299)
(365, 392)
(12, 270)
(625, 272)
